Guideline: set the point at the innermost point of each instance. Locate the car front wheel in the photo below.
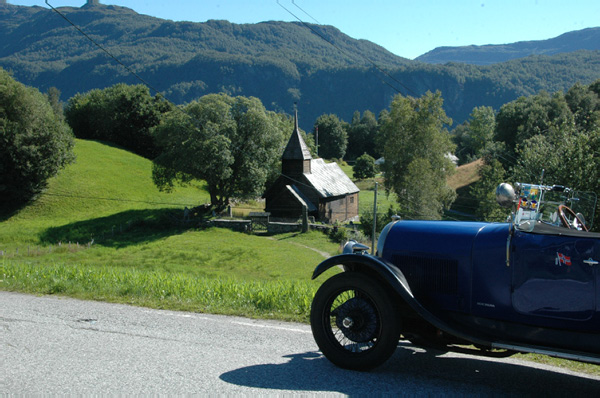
(354, 321)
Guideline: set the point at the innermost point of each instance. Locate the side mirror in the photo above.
(505, 195)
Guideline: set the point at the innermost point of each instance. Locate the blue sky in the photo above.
(407, 28)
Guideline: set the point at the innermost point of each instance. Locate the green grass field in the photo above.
(141, 254)
(102, 217)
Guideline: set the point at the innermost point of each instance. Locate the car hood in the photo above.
(439, 238)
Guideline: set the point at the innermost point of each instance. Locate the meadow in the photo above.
(103, 231)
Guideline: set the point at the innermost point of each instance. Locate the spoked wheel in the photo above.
(354, 321)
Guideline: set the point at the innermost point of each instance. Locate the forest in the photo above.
(317, 66)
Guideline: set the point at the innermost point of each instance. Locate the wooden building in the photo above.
(326, 191)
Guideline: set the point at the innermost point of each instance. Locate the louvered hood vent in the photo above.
(427, 275)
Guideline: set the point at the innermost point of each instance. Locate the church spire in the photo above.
(296, 147)
(296, 156)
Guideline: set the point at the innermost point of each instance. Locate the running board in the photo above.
(572, 355)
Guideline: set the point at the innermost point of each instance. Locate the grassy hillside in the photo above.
(107, 197)
(104, 181)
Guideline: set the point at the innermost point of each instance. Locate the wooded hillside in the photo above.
(585, 39)
(278, 62)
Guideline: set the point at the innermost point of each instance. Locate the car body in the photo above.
(531, 284)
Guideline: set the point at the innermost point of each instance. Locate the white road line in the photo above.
(271, 327)
(205, 318)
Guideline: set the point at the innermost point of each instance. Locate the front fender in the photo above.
(383, 268)
(396, 280)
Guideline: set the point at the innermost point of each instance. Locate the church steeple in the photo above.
(296, 156)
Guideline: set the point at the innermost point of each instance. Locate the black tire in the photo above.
(354, 321)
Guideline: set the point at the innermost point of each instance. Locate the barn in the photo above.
(323, 188)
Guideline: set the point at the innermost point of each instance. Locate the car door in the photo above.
(555, 275)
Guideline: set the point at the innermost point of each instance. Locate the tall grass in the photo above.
(280, 299)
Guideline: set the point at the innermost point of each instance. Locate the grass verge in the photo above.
(278, 299)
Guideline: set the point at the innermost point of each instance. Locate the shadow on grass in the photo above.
(7, 210)
(124, 229)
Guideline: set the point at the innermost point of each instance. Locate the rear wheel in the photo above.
(354, 321)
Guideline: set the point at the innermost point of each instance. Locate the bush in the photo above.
(366, 221)
(364, 167)
(34, 142)
(338, 234)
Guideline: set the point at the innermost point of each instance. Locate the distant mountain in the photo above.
(317, 66)
(586, 39)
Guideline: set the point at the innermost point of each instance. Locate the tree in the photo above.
(526, 117)
(585, 105)
(34, 142)
(364, 167)
(415, 144)
(481, 129)
(231, 143)
(491, 175)
(333, 139)
(557, 134)
(53, 95)
(121, 114)
(362, 135)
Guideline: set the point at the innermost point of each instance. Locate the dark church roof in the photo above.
(301, 198)
(296, 148)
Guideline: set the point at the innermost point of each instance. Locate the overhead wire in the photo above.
(301, 9)
(102, 48)
(316, 32)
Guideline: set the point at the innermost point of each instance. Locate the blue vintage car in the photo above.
(531, 284)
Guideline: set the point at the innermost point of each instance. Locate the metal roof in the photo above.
(329, 179)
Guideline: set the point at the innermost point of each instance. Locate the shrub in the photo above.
(364, 167)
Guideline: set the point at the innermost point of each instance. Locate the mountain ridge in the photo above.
(584, 39)
(317, 66)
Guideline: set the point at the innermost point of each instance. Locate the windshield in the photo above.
(541, 202)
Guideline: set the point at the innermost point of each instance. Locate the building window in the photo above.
(351, 199)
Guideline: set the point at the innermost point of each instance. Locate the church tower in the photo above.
(296, 156)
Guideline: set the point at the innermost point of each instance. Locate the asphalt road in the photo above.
(52, 345)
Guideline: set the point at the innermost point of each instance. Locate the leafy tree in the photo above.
(473, 136)
(333, 139)
(121, 114)
(415, 144)
(491, 174)
(53, 95)
(526, 117)
(231, 143)
(364, 167)
(481, 129)
(35, 143)
(557, 133)
(362, 135)
(584, 103)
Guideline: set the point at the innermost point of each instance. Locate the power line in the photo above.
(348, 53)
(297, 6)
(102, 48)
